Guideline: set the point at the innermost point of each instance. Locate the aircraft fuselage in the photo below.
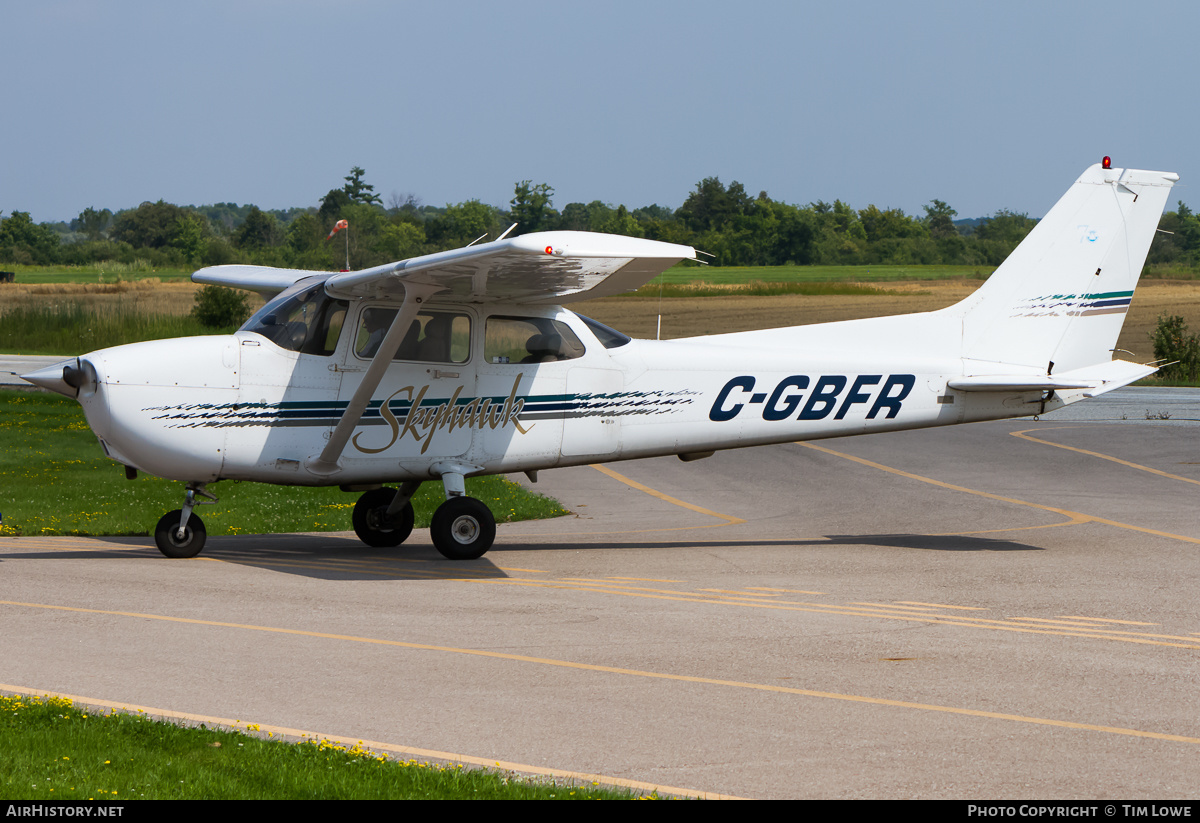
(242, 407)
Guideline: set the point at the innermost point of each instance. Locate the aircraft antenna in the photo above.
(662, 276)
(506, 231)
(476, 240)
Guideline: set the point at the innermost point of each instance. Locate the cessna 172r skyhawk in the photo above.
(465, 363)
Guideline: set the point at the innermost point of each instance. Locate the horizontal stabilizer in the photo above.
(1093, 380)
(1015, 382)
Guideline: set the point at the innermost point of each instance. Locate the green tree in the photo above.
(399, 241)
(621, 222)
(190, 236)
(332, 205)
(712, 206)
(939, 218)
(150, 225)
(92, 223)
(359, 191)
(531, 209)
(259, 230)
(460, 224)
(23, 241)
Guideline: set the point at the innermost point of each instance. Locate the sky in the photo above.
(986, 106)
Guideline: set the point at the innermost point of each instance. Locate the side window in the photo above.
(529, 340)
(432, 337)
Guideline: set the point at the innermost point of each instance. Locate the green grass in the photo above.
(70, 327)
(53, 750)
(54, 479)
(104, 272)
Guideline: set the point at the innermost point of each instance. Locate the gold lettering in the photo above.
(423, 423)
(391, 421)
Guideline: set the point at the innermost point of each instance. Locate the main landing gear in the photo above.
(463, 528)
(384, 517)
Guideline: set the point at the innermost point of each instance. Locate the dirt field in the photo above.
(149, 296)
(686, 316)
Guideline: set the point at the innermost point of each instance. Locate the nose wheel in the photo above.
(171, 543)
(181, 533)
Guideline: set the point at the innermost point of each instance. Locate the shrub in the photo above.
(1173, 343)
(218, 307)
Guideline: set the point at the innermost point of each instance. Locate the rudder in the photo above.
(1062, 295)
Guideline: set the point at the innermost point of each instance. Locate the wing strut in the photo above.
(327, 461)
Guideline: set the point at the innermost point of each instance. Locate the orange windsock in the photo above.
(338, 226)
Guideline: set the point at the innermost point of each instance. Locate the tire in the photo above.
(193, 537)
(370, 523)
(463, 528)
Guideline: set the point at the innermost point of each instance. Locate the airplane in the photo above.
(466, 362)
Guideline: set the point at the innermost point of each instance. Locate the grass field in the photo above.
(105, 272)
(53, 750)
(54, 479)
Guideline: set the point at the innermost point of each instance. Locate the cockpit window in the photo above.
(609, 337)
(304, 320)
(433, 337)
(529, 340)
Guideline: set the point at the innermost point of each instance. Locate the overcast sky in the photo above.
(983, 105)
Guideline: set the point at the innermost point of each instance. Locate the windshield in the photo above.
(302, 319)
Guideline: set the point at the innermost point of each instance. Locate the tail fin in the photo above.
(1061, 297)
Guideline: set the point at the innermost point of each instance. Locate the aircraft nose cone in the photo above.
(65, 377)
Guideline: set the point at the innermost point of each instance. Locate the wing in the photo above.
(265, 280)
(544, 267)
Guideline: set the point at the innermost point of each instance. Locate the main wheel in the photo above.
(463, 528)
(170, 544)
(374, 527)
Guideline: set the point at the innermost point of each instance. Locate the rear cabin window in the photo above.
(529, 340)
(432, 337)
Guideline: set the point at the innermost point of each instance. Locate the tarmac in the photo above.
(12, 366)
(1001, 610)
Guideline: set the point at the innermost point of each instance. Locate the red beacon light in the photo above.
(549, 249)
(1106, 162)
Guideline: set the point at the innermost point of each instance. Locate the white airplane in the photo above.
(465, 363)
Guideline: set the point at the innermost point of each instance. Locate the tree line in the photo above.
(738, 229)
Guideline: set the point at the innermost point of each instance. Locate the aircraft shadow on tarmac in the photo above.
(333, 557)
(927, 542)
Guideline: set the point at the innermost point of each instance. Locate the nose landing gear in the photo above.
(180, 533)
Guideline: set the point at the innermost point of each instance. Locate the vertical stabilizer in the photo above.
(1062, 295)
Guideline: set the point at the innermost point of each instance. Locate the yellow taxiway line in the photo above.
(680, 678)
